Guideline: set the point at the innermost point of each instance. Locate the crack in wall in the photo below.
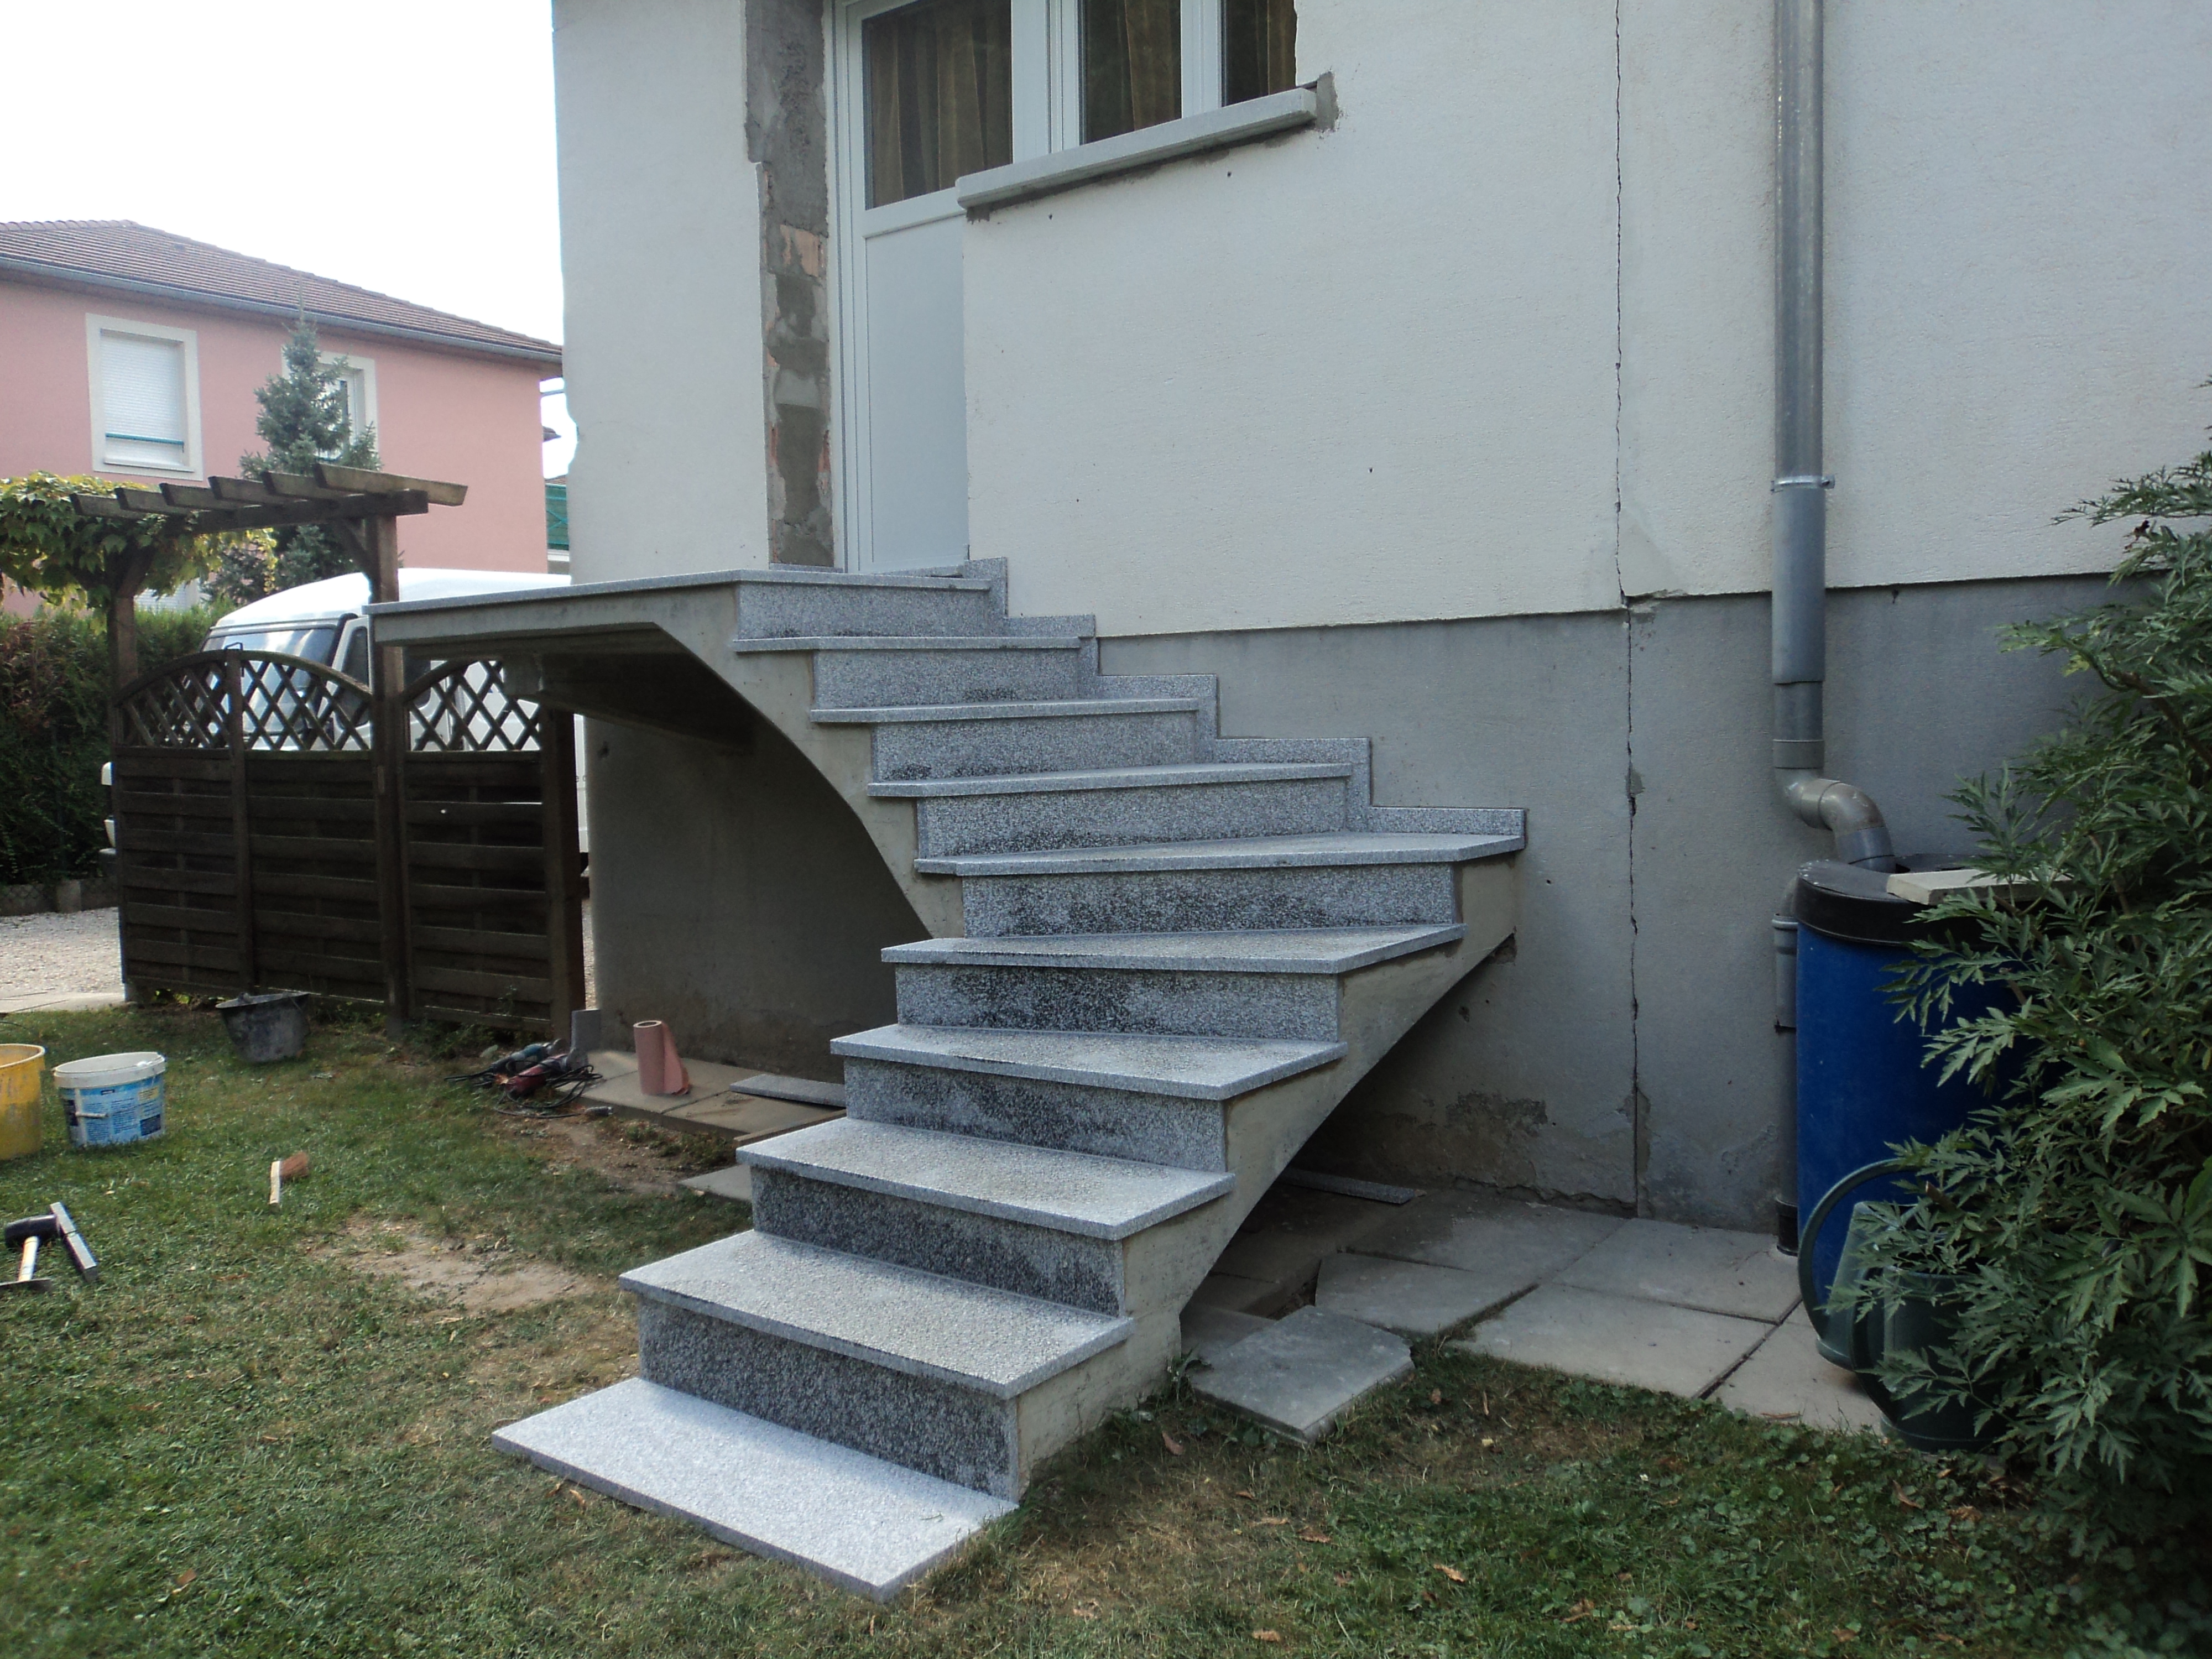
(1637, 1107)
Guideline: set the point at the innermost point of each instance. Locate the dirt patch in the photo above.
(481, 1278)
(632, 1157)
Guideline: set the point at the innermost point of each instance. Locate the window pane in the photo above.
(939, 91)
(1259, 48)
(1131, 65)
(143, 400)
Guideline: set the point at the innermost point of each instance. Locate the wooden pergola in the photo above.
(363, 509)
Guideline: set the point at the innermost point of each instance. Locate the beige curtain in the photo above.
(939, 87)
(1260, 48)
(1131, 65)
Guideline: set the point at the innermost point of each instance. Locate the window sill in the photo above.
(1170, 141)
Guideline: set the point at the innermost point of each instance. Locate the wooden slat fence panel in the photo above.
(253, 850)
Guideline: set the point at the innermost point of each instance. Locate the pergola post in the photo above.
(380, 561)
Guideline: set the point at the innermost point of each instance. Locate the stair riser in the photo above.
(1009, 1256)
(771, 611)
(1072, 1116)
(1201, 901)
(950, 825)
(957, 1434)
(1151, 1003)
(983, 749)
(885, 679)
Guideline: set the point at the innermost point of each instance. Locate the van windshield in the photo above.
(311, 641)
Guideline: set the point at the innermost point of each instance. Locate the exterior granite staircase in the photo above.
(1162, 957)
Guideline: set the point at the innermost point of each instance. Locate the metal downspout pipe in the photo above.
(1800, 534)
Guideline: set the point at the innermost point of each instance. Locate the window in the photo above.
(357, 379)
(145, 396)
(1131, 65)
(1259, 48)
(939, 95)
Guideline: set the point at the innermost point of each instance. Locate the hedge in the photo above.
(53, 731)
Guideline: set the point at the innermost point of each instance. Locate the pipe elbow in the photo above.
(1847, 813)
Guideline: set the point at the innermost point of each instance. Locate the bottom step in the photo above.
(871, 1527)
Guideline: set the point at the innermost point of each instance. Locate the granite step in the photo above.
(1254, 984)
(867, 1525)
(1029, 1219)
(909, 1366)
(985, 740)
(1182, 1067)
(795, 604)
(1348, 878)
(1114, 806)
(861, 671)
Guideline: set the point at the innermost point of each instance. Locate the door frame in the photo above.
(1047, 67)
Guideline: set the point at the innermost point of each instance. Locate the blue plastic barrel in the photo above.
(1862, 1085)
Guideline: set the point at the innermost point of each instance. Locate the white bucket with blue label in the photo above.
(114, 1100)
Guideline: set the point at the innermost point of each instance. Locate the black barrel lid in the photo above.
(1843, 902)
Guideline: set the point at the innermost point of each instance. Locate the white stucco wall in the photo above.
(1369, 374)
(1343, 377)
(660, 254)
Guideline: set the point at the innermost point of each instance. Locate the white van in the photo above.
(323, 622)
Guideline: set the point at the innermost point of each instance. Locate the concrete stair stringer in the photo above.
(1164, 1264)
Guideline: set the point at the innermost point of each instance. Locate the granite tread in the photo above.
(910, 642)
(867, 1525)
(1129, 777)
(992, 1342)
(1348, 847)
(1193, 1069)
(1058, 708)
(1290, 951)
(1079, 1192)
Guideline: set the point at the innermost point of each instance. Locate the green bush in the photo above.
(53, 731)
(2075, 1211)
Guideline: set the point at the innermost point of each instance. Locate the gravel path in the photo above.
(52, 956)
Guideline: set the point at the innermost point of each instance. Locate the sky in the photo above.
(401, 145)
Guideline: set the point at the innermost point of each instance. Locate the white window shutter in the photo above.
(143, 400)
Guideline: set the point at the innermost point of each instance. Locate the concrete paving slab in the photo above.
(1300, 1374)
(1413, 1298)
(1489, 1233)
(1619, 1339)
(1291, 1230)
(734, 1183)
(1210, 1333)
(1259, 1297)
(1706, 1268)
(711, 1107)
(870, 1526)
(1786, 1380)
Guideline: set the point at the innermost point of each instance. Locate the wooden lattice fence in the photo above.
(266, 839)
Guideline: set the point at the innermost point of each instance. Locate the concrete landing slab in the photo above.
(1210, 1333)
(1488, 1233)
(1786, 1380)
(1705, 1268)
(1290, 1232)
(1412, 1299)
(1300, 1374)
(1619, 1339)
(735, 1183)
(868, 1526)
(711, 1107)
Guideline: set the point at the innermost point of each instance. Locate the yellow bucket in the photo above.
(20, 1066)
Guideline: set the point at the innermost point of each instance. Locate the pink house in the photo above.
(134, 354)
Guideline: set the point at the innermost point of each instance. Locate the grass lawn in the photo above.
(255, 1437)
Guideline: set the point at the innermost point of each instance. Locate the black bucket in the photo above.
(267, 1025)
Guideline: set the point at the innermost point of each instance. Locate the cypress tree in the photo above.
(304, 419)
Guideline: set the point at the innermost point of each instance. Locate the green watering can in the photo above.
(1861, 1342)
